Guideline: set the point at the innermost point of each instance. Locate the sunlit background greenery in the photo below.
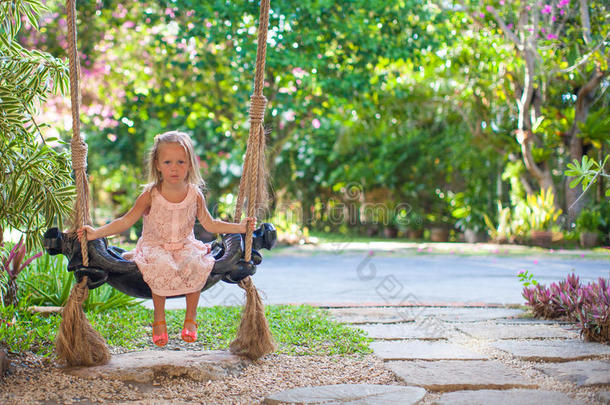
(388, 118)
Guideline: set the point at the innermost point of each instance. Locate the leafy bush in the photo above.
(587, 305)
(588, 221)
(49, 283)
(542, 213)
(37, 188)
(12, 263)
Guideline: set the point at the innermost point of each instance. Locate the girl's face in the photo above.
(173, 163)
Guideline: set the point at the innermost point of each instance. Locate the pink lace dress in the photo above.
(171, 260)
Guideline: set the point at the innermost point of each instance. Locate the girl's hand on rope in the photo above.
(248, 223)
(91, 232)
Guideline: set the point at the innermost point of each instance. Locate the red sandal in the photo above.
(161, 339)
(188, 335)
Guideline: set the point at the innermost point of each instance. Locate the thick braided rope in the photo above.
(252, 182)
(258, 105)
(242, 185)
(77, 343)
(249, 182)
(79, 147)
(254, 338)
(261, 50)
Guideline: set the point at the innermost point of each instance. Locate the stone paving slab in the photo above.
(450, 314)
(348, 394)
(534, 321)
(489, 330)
(604, 397)
(553, 350)
(401, 314)
(145, 366)
(373, 315)
(411, 330)
(581, 373)
(423, 350)
(453, 375)
(508, 397)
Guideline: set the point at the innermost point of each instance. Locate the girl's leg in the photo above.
(159, 305)
(192, 300)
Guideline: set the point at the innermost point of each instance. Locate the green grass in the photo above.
(298, 330)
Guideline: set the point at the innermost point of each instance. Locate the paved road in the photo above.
(366, 277)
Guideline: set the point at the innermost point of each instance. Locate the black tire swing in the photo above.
(95, 263)
(106, 263)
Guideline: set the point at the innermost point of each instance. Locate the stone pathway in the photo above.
(449, 355)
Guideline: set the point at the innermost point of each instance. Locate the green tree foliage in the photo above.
(556, 68)
(412, 101)
(35, 183)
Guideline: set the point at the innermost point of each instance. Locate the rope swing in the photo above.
(77, 342)
(254, 337)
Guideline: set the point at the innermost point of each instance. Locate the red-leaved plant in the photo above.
(13, 262)
(587, 305)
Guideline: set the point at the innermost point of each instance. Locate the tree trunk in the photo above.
(524, 133)
(585, 97)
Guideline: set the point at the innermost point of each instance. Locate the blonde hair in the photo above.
(182, 139)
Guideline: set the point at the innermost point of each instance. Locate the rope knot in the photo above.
(79, 154)
(258, 103)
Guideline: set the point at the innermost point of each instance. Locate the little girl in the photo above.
(171, 260)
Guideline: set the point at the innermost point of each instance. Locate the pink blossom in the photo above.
(562, 12)
(501, 2)
(553, 18)
(287, 90)
(546, 9)
(489, 8)
(543, 30)
(563, 3)
(289, 115)
(298, 72)
(551, 36)
(112, 137)
(510, 26)
(190, 13)
(315, 123)
(481, 15)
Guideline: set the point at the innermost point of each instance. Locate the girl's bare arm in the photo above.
(120, 224)
(217, 226)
